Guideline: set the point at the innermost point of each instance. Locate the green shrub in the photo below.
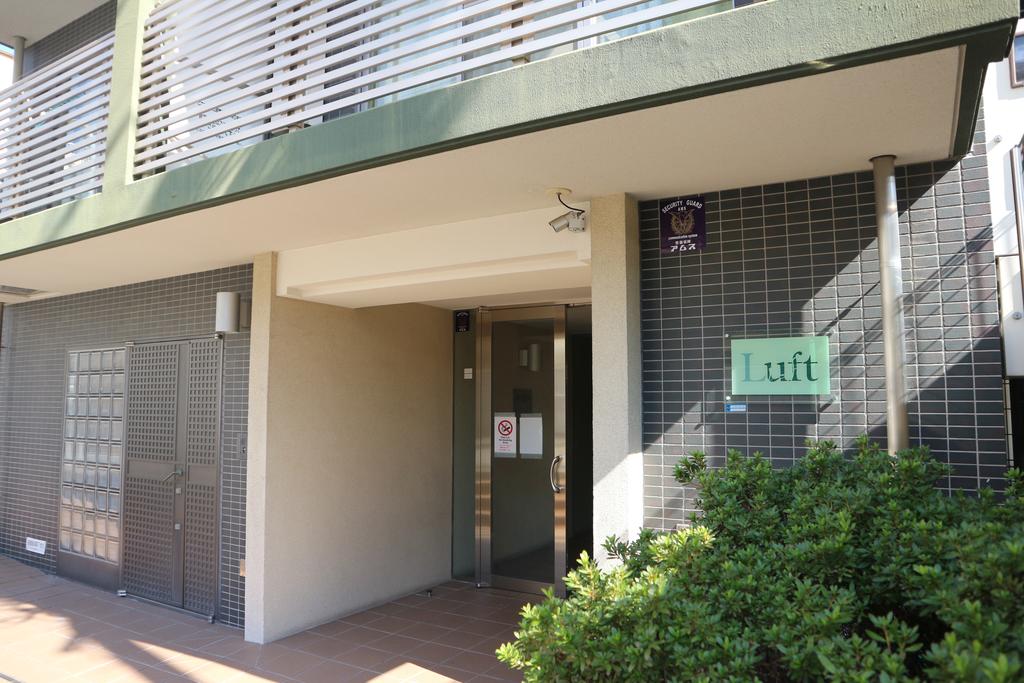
(840, 569)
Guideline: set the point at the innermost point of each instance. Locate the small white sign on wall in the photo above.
(531, 436)
(504, 435)
(34, 545)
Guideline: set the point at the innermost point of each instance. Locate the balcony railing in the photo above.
(53, 132)
(220, 74)
(217, 75)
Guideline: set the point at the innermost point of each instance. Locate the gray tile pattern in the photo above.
(234, 425)
(36, 338)
(798, 258)
(69, 38)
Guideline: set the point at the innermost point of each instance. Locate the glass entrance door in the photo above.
(521, 452)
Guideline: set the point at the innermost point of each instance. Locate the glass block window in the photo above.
(93, 454)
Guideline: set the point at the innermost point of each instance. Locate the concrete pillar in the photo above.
(264, 286)
(618, 440)
(19, 56)
(126, 66)
(894, 333)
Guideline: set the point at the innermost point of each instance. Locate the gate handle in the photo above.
(551, 474)
(176, 472)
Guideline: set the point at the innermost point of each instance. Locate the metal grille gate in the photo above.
(171, 445)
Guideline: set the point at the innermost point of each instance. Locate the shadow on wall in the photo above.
(800, 258)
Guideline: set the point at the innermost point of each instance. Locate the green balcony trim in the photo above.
(755, 45)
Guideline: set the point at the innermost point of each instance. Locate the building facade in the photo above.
(807, 264)
(309, 305)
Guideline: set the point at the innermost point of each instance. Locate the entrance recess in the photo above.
(521, 448)
(171, 447)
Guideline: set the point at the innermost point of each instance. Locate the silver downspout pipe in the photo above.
(893, 327)
(19, 56)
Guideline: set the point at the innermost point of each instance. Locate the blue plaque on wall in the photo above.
(683, 225)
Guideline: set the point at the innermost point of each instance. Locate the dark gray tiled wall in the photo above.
(36, 338)
(798, 258)
(69, 38)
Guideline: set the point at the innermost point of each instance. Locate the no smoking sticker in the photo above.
(504, 435)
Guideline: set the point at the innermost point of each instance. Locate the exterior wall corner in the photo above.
(264, 286)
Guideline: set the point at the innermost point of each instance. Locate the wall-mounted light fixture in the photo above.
(529, 357)
(534, 357)
(227, 317)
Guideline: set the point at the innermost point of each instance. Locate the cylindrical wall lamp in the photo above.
(530, 357)
(228, 304)
(534, 357)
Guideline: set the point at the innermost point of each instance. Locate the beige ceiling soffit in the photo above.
(480, 290)
(521, 265)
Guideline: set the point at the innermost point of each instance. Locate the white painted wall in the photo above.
(1004, 128)
(350, 459)
(618, 442)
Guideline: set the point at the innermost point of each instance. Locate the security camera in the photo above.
(573, 220)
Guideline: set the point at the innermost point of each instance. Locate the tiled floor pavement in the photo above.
(53, 630)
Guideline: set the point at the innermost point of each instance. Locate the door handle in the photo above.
(176, 472)
(551, 474)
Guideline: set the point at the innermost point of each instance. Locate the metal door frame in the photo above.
(485, 319)
(184, 364)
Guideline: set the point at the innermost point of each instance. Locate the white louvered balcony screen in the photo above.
(218, 74)
(53, 131)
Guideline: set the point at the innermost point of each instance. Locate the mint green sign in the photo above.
(781, 365)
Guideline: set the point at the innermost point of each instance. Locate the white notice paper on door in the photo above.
(531, 436)
(504, 435)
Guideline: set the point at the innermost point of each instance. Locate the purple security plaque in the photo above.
(683, 227)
